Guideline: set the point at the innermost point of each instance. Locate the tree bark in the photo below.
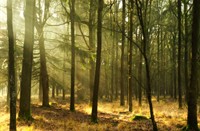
(117, 54)
(130, 79)
(174, 67)
(146, 53)
(11, 67)
(122, 101)
(53, 91)
(25, 92)
(43, 72)
(192, 91)
(186, 49)
(92, 15)
(44, 80)
(98, 62)
(72, 14)
(179, 56)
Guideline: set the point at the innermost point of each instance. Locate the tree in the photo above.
(72, 14)
(140, 80)
(112, 17)
(122, 102)
(98, 62)
(116, 34)
(186, 46)
(39, 24)
(11, 67)
(179, 55)
(25, 92)
(142, 16)
(92, 15)
(130, 57)
(192, 91)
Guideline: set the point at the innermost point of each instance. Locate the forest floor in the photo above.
(112, 117)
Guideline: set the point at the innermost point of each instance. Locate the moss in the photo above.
(187, 128)
(139, 117)
(93, 120)
(25, 116)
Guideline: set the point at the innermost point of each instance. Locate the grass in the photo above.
(111, 117)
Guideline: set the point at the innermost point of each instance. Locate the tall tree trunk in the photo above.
(117, 69)
(192, 91)
(43, 70)
(146, 53)
(92, 15)
(186, 48)
(98, 62)
(122, 102)
(130, 79)
(11, 67)
(112, 26)
(117, 54)
(53, 91)
(174, 66)
(44, 80)
(139, 71)
(140, 80)
(63, 81)
(179, 56)
(158, 66)
(72, 14)
(25, 92)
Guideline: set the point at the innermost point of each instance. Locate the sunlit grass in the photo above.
(112, 116)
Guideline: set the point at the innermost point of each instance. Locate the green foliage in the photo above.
(25, 116)
(185, 128)
(139, 117)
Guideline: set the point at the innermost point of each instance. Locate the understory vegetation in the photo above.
(112, 117)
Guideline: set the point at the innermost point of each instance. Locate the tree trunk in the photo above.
(186, 48)
(63, 94)
(98, 62)
(25, 92)
(130, 79)
(43, 70)
(44, 81)
(117, 55)
(11, 67)
(179, 56)
(57, 91)
(158, 66)
(140, 81)
(53, 91)
(122, 102)
(112, 52)
(92, 15)
(192, 91)
(174, 66)
(72, 14)
(146, 53)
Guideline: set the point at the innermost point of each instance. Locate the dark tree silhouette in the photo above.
(11, 67)
(92, 16)
(141, 13)
(25, 92)
(98, 62)
(130, 78)
(179, 56)
(192, 91)
(44, 80)
(72, 14)
(122, 101)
